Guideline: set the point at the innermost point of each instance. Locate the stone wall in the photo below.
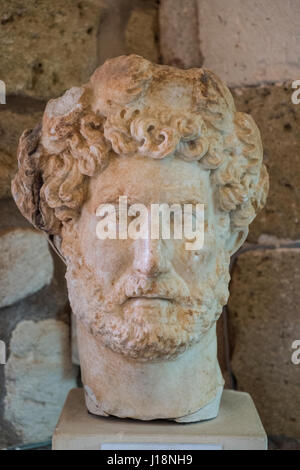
(34, 324)
(47, 47)
(254, 47)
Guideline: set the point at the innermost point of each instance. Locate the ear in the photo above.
(236, 239)
(27, 183)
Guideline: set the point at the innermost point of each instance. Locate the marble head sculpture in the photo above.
(146, 309)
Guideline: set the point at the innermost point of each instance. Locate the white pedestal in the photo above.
(237, 426)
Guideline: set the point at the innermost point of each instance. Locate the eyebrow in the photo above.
(114, 200)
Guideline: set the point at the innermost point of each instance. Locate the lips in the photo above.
(149, 297)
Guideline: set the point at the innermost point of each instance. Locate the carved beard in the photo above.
(160, 330)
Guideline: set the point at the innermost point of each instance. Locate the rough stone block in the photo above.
(264, 321)
(129, 27)
(46, 47)
(246, 42)
(278, 120)
(25, 264)
(179, 36)
(38, 373)
(141, 33)
(38, 376)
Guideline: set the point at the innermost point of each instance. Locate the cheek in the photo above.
(107, 258)
(193, 265)
(112, 257)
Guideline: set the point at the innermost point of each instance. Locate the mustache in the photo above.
(169, 287)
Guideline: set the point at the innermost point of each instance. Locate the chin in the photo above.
(164, 349)
(156, 332)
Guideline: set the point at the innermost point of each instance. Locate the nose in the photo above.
(151, 258)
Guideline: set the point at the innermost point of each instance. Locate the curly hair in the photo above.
(133, 106)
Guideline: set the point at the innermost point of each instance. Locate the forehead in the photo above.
(146, 180)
